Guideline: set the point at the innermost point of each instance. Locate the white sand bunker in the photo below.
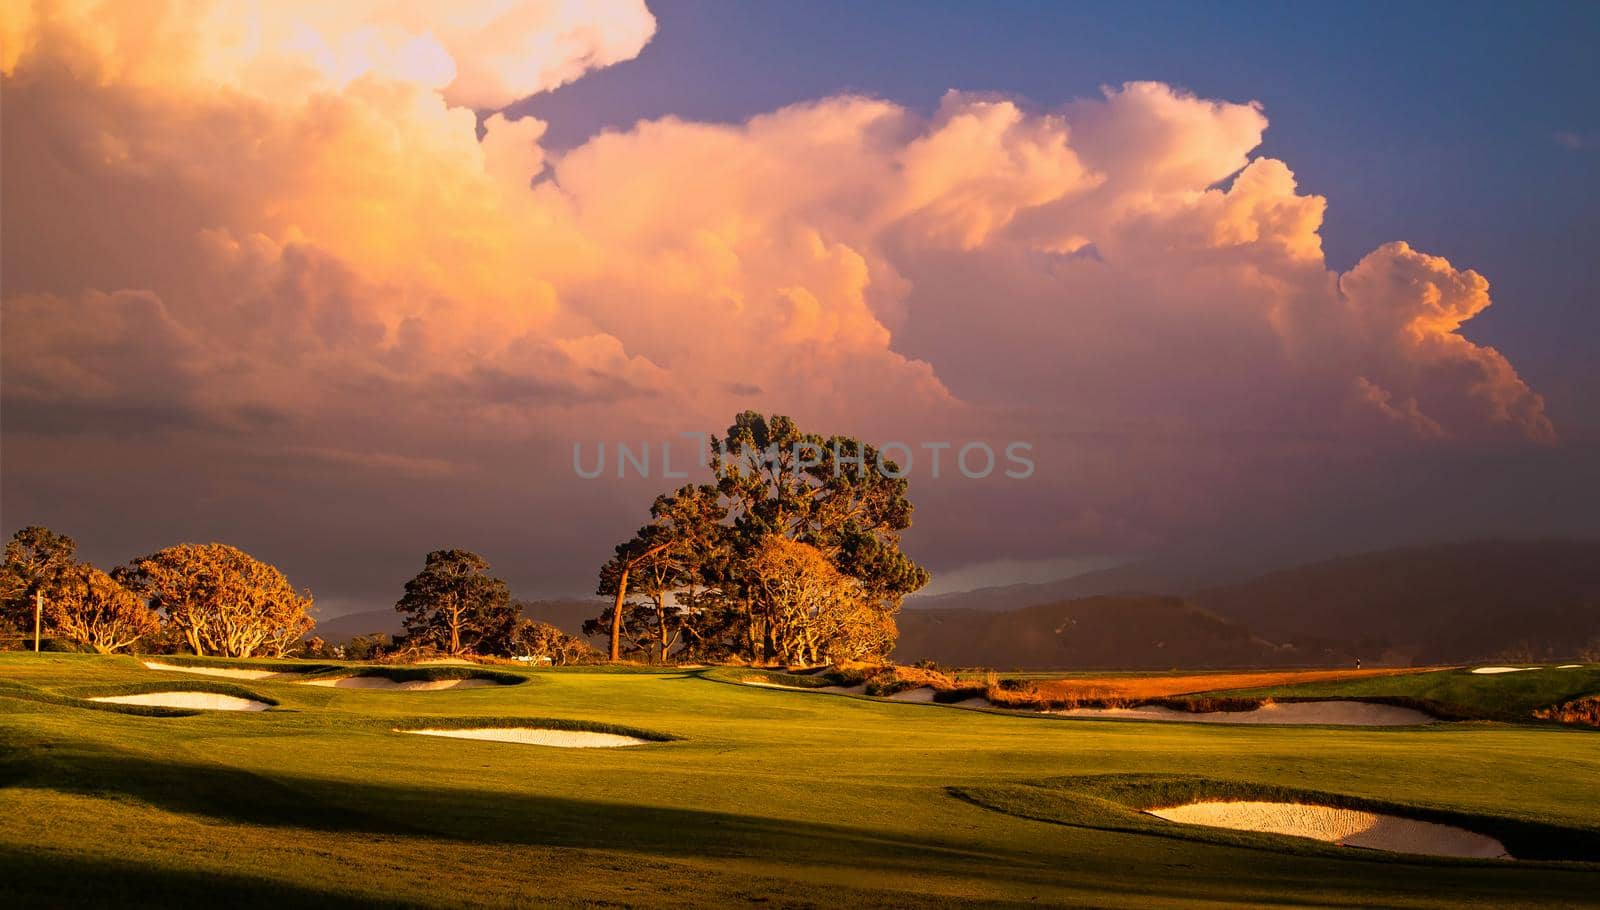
(1347, 827)
(1333, 713)
(410, 685)
(1569, 666)
(206, 701)
(536, 736)
(921, 694)
(227, 672)
(1490, 670)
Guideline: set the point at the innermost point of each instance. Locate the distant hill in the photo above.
(1091, 633)
(566, 615)
(1444, 603)
(348, 626)
(1128, 579)
(1429, 604)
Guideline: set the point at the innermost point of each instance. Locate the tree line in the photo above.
(217, 600)
(212, 598)
(790, 555)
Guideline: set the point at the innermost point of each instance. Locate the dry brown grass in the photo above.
(1583, 711)
(890, 680)
(1120, 691)
(1028, 695)
(1092, 692)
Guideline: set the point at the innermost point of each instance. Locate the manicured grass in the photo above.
(325, 669)
(424, 674)
(1117, 802)
(768, 797)
(1141, 687)
(1499, 696)
(274, 664)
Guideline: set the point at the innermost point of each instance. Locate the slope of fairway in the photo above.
(1497, 696)
(222, 672)
(771, 797)
(1162, 685)
(1334, 713)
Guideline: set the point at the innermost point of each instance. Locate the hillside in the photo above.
(1524, 600)
(1095, 632)
(1129, 579)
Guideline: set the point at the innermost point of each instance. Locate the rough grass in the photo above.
(776, 677)
(895, 679)
(1580, 711)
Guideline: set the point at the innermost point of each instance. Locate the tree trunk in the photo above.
(661, 627)
(616, 613)
(455, 627)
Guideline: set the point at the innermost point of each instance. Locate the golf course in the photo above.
(738, 794)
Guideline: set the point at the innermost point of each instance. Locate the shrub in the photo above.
(1582, 711)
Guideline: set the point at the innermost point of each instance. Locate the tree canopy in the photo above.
(456, 606)
(34, 557)
(221, 599)
(90, 607)
(792, 553)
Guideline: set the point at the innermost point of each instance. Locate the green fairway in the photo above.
(1498, 696)
(765, 797)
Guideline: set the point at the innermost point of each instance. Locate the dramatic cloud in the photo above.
(278, 242)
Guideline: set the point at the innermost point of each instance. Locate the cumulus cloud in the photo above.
(282, 219)
(478, 53)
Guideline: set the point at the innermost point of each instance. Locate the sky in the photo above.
(343, 284)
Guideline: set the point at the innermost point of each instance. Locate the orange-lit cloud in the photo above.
(280, 219)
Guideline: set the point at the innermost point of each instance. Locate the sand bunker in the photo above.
(217, 671)
(922, 694)
(1347, 827)
(1488, 670)
(410, 685)
(206, 701)
(1336, 713)
(535, 736)
(1569, 666)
